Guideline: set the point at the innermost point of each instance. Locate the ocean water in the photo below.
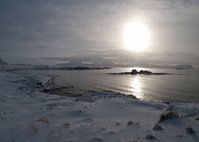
(181, 86)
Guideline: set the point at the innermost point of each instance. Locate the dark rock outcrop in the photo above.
(141, 72)
(150, 137)
(157, 127)
(145, 72)
(168, 115)
(190, 130)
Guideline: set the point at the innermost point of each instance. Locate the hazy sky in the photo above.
(92, 29)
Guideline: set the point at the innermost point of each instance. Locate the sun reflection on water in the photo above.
(137, 87)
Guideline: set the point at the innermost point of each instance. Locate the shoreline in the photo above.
(103, 116)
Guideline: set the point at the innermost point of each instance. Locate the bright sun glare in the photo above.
(136, 36)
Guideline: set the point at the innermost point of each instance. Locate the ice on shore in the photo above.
(29, 115)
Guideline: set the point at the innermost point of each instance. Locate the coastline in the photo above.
(27, 113)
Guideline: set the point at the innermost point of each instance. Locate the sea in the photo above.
(179, 86)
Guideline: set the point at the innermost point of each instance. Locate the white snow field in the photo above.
(29, 115)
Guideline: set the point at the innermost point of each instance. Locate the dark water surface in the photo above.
(181, 86)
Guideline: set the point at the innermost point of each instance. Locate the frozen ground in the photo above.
(29, 115)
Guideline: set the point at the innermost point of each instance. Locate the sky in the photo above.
(90, 31)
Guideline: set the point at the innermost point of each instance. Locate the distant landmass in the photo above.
(141, 72)
(75, 65)
(15, 67)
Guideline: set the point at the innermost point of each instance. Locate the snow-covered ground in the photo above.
(29, 115)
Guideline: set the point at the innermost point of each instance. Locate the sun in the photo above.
(136, 36)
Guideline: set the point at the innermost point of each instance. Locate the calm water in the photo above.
(183, 86)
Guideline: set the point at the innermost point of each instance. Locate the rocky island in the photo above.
(141, 72)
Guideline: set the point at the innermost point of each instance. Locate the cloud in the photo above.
(35, 28)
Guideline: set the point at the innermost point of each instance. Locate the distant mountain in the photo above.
(2, 62)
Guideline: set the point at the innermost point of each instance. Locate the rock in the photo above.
(180, 136)
(132, 123)
(117, 124)
(167, 103)
(197, 118)
(157, 128)
(67, 125)
(145, 72)
(81, 68)
(45, 120)
(150, 137)
(190, 130)
(169, 115)
(134, 71)
(142, 72)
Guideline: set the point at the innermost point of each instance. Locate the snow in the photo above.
(2, 62)
(27, 115)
